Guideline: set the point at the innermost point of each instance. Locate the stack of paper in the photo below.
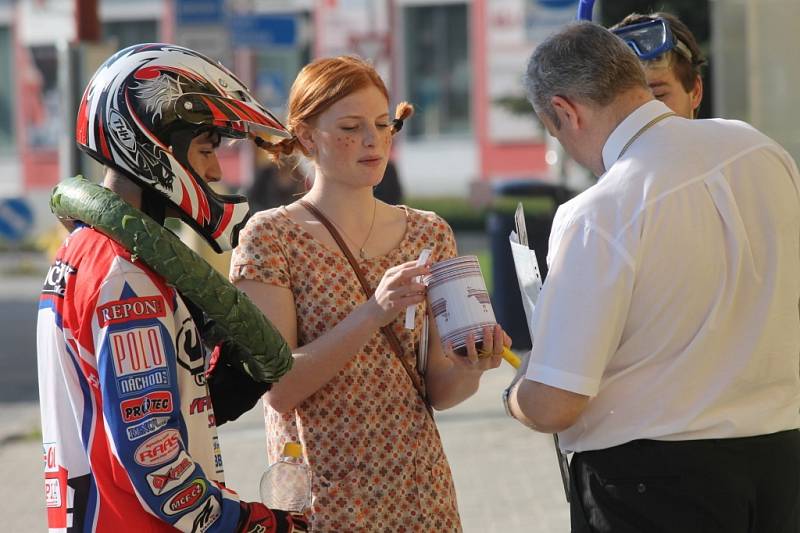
(526, 266)
(530, 285)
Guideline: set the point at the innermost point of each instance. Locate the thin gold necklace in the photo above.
(643, 129)
(361, 252)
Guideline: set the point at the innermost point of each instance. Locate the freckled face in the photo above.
(352, 138)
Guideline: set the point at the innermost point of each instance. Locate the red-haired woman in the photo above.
(354, 397)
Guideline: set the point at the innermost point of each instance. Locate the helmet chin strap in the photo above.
(154, 205)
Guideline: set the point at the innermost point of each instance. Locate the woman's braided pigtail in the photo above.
(403, 111)
(284, 147)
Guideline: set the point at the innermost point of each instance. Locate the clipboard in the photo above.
(530, 284)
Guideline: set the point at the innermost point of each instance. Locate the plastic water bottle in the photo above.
(286, 485)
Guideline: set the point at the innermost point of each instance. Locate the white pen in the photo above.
(411, 310)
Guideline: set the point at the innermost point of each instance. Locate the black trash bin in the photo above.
(505, 296)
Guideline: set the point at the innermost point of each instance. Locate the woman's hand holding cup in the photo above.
(398, 289)
(488, 356)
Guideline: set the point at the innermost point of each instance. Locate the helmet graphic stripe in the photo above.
(82, 126)
(217, 112)
(103, 143)
(243, 111)
(186, 203)
(195, 205)
(223, 223)
(254, 116)
(142, 127)
(204, 211)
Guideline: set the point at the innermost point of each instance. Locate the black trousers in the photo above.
(742, 485)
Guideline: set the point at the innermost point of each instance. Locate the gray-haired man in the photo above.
(666, 336)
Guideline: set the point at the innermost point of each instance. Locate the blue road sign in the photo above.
(263, 30)
(16, 218)
(199, 12)
(558, 4)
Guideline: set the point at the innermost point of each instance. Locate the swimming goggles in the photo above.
(652, 39)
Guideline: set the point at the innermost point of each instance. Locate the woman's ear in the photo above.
(305, 136)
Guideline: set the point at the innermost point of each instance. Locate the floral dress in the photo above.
(375, 454)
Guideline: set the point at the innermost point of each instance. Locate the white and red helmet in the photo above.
(145, 94)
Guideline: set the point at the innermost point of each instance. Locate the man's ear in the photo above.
(696, 95)
(565, 111)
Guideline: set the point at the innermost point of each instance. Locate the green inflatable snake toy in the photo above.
(262, 351)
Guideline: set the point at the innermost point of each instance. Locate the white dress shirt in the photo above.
(673, 287)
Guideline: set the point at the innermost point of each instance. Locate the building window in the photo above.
(6, 91)
(130, 32)
(44, 108)
(438, 73)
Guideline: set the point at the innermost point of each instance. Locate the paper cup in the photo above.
(459, 301)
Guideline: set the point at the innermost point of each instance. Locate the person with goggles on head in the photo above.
(671, 57)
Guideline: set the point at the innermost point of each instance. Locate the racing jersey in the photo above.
(129, 436)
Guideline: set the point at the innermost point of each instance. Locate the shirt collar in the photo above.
(628, 128)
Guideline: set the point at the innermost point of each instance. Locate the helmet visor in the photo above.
(231, 117)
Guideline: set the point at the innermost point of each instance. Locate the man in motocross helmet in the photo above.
(129, 402)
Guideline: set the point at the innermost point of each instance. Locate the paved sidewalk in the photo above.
(506, 476)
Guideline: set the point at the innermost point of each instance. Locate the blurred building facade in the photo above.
(459, 61)
(757, 65)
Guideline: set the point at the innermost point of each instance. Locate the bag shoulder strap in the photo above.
(416, 379)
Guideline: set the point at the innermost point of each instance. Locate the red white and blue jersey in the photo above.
(130, 441)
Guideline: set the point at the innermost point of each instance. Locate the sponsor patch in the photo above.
(198, 405)
(122, 131)
(186, 498)
(191, 354)
(137, 383)
(167, 478)
(55, 490)
(218, 468)
(52, 492)
(137, 350)
(158, 449)
(148, 427)
(56, 280)
(49, 456)
(157, 402)
(201, 519)
(131, 309)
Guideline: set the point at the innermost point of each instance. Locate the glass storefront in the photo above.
(438, 72)
(6, 92)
